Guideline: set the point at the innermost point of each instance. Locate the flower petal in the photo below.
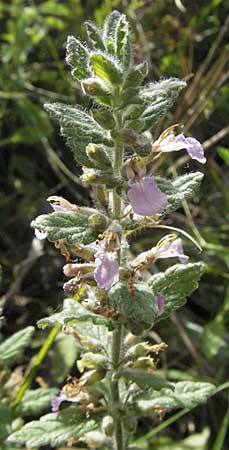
(57, 400)
(106, 271)
(172, 249)
(195, 150)
(146, 198)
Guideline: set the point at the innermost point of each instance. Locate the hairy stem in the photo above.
(116, 349)
(117, 333)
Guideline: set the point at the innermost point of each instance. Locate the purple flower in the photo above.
(106, 271)
(193, 147)
(172, 143)
(171, 249)
(146, 198)
(58, 399)
(160, 298)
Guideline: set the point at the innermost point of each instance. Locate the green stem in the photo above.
(117, 333)
(36, 364)
(116, 349)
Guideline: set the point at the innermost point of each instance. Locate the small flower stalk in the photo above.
(113, 297)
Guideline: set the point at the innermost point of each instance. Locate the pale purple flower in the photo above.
(58, 399)
(172, 143)
(160, 298)
(135, 169)
(171, 249)
(146, 198)
(106, 271)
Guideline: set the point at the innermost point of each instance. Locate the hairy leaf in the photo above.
(77, 57)
(182, 188)
(69, 226)
(73, 312)
(187, 394)
(176, 283)
(14, 346)
(159, 97)
(53, 429)
(36, 401)
(138, 308)
(94, 36)
(122, 42)
(144, 379)
(79, 128)
(106, 68)
(136, 75)
(109, 30)
(5, 421)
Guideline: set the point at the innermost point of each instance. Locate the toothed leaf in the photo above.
(78, 58)
(69, 226)
(53, 429)
(79, 128)
(176, 283)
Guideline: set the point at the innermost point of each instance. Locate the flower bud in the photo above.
(73, 269)
(98, 222)
(95, 87)
(131, 339)
(129, 423)
(108, 425)
(91, 361)
(99, 156)
(94, 439)
(137, 350)
(100, 177)
(128, 136)
(93, 376)
(105, 118)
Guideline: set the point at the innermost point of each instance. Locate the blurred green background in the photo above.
(178, 38)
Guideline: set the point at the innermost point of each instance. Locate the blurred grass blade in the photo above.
(220, 438)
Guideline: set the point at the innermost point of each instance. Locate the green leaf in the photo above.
(138, 309)
(109, 30)
(14, 346)
(144, 379)
(164, 89)
(176, 283)
(136, 75)
(5, 421)
(106, 68)
(94, 36)
(73, 312)
(69, 226)
(77, 58)
(122, 42)
(79, 128)
(161, 96)
(64, 355)
(187, 394)
(182, 188)
(36, 401)
(212, 339)
(53, 429)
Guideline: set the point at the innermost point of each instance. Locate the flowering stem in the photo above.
(117, 333)
(116, 349)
